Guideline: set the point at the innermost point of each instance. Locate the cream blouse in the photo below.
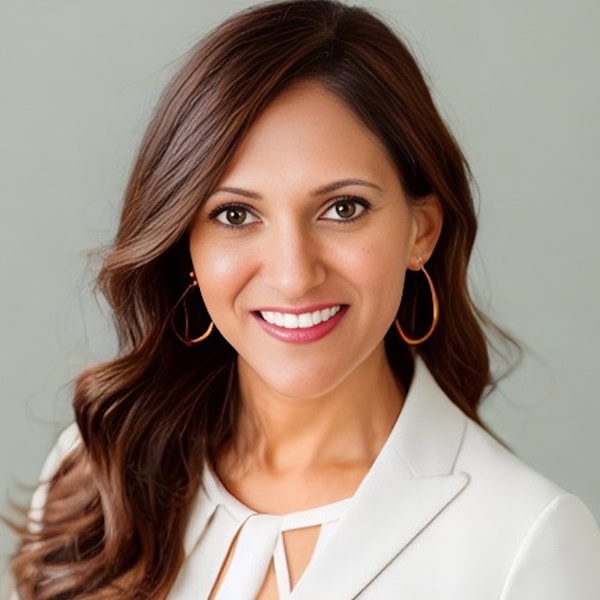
(219, 518)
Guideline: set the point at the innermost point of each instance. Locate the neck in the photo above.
(346, 426)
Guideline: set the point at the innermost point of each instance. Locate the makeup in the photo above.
(291, 327)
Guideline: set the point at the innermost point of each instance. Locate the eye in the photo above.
(233, 215)
(347, 208)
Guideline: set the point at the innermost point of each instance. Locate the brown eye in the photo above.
(345, 208)
(236, 215)
(233, 216)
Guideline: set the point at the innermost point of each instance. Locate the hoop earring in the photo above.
(186, 337)
(436, 312)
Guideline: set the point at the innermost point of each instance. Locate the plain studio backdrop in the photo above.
(519, 84)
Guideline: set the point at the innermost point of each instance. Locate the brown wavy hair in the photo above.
(118, 506)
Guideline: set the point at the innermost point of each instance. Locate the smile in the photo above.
(301, 328)
(302, 320)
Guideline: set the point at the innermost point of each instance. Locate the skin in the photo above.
(332, 401)
(314, 415)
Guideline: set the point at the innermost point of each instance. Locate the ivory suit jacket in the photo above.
(445, 512)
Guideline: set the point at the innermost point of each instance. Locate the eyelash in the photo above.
(365, 204)
(225, 207)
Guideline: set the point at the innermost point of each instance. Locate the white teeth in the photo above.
(302, 321)
(305, 320)
(290, 321)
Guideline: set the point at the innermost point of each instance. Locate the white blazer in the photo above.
(446, 513)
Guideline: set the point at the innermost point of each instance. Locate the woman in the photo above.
(293, 411)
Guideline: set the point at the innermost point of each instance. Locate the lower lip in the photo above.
(301, 335)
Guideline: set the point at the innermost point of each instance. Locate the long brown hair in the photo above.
(118, 506)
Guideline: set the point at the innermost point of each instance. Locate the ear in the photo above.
(428, 217)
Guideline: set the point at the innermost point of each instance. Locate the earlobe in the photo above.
(428, 219)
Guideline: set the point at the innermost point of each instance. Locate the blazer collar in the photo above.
(409, 485)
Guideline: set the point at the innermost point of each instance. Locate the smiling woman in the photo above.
(332, 234)
(293, 411)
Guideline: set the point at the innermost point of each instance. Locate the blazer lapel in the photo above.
(409, 485)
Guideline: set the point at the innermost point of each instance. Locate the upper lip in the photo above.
(298, 310)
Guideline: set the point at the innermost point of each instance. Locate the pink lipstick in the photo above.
(301, 335)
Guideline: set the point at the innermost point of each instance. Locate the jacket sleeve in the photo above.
(67, 440)
(559, 558)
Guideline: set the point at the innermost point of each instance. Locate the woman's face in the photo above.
(300, 251)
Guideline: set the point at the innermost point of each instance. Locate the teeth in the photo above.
(305, 320)
(290, 321)
(302, 321)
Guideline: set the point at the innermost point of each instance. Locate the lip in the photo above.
(301, 335)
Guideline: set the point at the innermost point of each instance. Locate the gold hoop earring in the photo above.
(436, 312)
(186, 337)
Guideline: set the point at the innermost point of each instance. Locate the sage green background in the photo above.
(519, 83)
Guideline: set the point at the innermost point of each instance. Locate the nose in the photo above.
(294, 261)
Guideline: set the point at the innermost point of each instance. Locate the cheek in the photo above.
(212, 264)
(219, 271)
(378, 264)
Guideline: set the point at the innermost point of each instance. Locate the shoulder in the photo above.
(68, 440)
(491, 464)
(513, 483)
(559, 556)
(551, 537)
(515, 488)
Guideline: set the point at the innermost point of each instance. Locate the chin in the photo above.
(301, 384)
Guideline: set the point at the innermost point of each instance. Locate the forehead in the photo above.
(308, 134)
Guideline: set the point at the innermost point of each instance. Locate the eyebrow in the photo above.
(324, 189)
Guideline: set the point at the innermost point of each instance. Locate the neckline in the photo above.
(220, 495)
(424, 442)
